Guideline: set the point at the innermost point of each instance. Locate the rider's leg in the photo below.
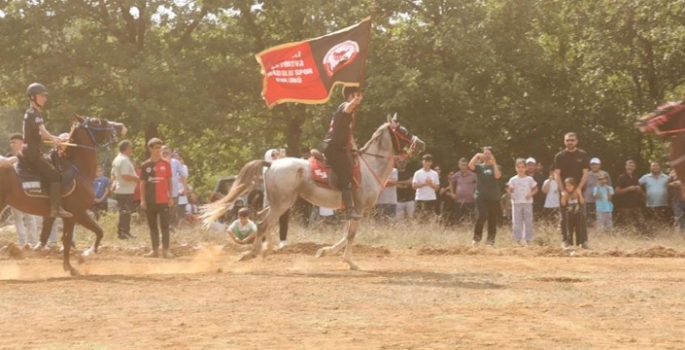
(52, 177)
(340, 163)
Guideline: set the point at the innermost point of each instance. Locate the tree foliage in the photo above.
(461, 74)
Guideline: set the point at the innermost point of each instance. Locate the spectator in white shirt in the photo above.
(426, 181)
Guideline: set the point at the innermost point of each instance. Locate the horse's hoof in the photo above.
(246, 256)
(88, 252)
(322, 252)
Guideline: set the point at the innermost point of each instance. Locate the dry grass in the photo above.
(391, 235)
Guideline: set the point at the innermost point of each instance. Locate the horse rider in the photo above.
(34, 132)
(338, 144)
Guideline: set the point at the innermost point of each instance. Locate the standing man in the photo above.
(425, 182)
(628, 199)
(462, 190)
(405, 192)
(126, 180)
(572, 162)
(592, 181)
(25, 223)
(34, 133)
(156, 197)
(338, 144)
(184, 188)
(487, 195)
(178, 181)
(656, 190)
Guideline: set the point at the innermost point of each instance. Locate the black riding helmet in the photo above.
(35, 89)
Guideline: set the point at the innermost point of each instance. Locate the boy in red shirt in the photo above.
(156, 197)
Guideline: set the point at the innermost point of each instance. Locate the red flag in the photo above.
(307, 71)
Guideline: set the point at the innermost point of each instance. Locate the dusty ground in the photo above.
(457, 298)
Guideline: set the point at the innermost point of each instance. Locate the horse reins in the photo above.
(396, 138)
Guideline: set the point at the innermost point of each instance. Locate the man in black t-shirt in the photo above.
(405, 192)
(338, 145)
(574, 163)
(629, 197)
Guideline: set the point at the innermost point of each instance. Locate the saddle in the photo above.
(324, 177)
(32, 183)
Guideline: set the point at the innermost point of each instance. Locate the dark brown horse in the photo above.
(87, 135)
(668, 121)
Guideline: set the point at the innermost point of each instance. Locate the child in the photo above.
(570, 206)
(603, 193)
(551, 190)
(522, 188)
(243, 230)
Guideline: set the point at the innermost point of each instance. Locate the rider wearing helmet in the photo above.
(338, 143)
(34, 133)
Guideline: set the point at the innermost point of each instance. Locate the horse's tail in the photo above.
(245, 182)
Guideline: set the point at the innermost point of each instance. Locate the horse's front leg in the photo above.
(86, 221)
(351, 233)
(328, 251)
(67, 235)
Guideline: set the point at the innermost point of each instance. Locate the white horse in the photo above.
(289, 178)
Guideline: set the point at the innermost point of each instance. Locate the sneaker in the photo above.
(166, 254)
(120, 236)
(128, 235)
(282, 244)
(39, 246)
(152, 254)
(564, 245)
(474, 243)
(585, 246)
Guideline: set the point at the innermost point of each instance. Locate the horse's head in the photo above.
(666, 119)
(95, 133)
(402, 138)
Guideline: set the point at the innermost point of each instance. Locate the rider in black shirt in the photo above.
(338, 144)
(34, 132)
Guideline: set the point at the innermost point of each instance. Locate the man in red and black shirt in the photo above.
(156, 197)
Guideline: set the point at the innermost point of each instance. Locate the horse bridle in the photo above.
(90, 128)
(397, 139)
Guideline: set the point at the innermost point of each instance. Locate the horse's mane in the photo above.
(373, 138)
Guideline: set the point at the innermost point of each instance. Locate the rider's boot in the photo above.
(56, 210)
(350, 211)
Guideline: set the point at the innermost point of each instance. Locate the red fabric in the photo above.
(306, 71)
(157, 177)
(320, 173)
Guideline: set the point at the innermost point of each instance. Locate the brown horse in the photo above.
(668, 121)
(87, 135)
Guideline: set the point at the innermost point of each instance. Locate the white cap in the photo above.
(531, 160)
(595, 160)
(269, 155)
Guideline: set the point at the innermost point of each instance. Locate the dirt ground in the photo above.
(460, 298)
